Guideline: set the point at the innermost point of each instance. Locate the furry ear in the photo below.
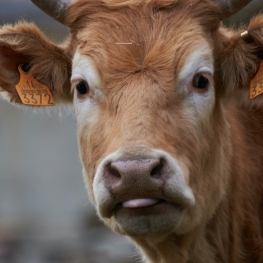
(25, 44)
(239, 62)
(255, 31)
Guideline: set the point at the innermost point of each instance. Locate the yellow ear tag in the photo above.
(32, 92)
(256, 84)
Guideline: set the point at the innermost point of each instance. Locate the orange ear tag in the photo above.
(256, 84)
(32, 92)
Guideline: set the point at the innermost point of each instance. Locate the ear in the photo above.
(48, 63)
(239, 62)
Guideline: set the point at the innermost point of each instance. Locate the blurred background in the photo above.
(45, 214)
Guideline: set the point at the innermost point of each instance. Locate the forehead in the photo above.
(140, 38)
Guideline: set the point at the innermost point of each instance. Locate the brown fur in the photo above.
(139, 108)
(27, 44)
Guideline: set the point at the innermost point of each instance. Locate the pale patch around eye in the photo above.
(83, 68)
(85, 83)
(199, 62)
(76, 77)
(195, 84)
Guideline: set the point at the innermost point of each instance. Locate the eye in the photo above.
(25, 67)
(82, 87)
(200, 81)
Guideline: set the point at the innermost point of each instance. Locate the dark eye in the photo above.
(200, 82)
(82, 87)
(25, 67)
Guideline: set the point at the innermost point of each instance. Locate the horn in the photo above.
(230, 7)
(54, 8)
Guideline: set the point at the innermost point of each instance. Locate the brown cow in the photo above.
(170, 142)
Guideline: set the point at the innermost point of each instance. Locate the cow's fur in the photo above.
(138, 103)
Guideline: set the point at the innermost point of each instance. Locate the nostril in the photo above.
(114, 172)
(157, 171)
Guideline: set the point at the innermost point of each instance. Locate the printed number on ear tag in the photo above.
(32, 92)
(256, 85)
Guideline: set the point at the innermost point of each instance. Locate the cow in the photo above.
(169, 129)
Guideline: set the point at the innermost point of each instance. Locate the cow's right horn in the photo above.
(230, 7)
(54, 8)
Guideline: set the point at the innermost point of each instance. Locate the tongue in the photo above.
(137, 203)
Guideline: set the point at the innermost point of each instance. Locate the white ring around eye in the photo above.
(204, 70)
(77, 77)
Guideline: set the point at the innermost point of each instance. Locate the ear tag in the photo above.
(256, 84)
(32, 92)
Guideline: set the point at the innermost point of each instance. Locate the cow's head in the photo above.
(150, 82)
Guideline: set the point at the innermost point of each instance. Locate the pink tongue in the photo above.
(137, 203)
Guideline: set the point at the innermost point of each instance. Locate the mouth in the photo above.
(144, 216)
(145, 207)
(140, 203)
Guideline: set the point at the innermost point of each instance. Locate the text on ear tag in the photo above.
(32, 92)
(256, 84)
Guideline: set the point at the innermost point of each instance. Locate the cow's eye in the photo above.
(200, 81)
(82, 87)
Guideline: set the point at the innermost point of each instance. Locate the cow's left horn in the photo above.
(230, 7)
(54, 8)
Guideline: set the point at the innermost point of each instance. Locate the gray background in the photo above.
(45, 214)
